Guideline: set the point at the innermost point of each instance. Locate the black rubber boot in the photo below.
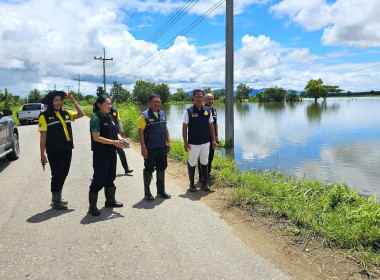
(110, 198)
(62, 200)
(191, 171)
(147, 179)
(161, 185)
(124, 163)
(205, 178)
(57, 201)
(93, 199)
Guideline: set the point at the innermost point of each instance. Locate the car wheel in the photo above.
(15, 154)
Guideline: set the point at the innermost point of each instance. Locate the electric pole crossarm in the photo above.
(104, 67)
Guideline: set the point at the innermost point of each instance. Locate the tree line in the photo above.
(142, 89)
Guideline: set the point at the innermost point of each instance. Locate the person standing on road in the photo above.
(197, 129)
(209, 102)
(119, 129)
(56, 138)
(155, 145)
(104, 141)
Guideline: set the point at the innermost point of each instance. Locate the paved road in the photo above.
(179, 238)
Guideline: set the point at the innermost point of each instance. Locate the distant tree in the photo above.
(206, 90)
(164, 91)
(292, 96)
(219, 93)
(90, 99)
(100, 91)
(34, 96)
(279, 94)
(262, 97)
(332, 90)
(315, 89)
(142, 90)
(242, 92)
(7, 100)
(275, 94)
(119, 93)
(180, 95)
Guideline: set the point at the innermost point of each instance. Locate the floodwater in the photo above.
(337, 140)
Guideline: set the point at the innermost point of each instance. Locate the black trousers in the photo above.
(123, 158)
(104, 164)
(210, 159)
(156, 158)
(59, 166)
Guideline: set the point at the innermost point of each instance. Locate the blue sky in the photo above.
(285, 43)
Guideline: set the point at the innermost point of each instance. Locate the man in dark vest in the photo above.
(119, 129)
(209, 101)
(155, 145)
(197, 129)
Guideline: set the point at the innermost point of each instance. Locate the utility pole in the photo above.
(78, 83)
(229, 119)
(104, 67)
(68, 88)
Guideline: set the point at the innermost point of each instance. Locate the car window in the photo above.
(31, 107)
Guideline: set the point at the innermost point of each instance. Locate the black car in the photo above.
(9, 145)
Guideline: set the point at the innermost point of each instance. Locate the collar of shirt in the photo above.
(103, 116)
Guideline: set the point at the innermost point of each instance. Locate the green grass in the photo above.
(334, 213)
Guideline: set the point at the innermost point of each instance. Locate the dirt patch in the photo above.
(269, 237)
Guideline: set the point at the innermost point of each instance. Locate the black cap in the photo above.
(50, 96)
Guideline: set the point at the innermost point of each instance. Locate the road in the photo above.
(180, 238)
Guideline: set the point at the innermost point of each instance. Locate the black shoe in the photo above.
(193, 188)
(164, 195)
(94, 211)
(206, 188)
(149, 197)
(128, 171)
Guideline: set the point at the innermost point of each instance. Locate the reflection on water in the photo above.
(334, 140)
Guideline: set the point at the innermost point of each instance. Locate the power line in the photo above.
(117, 18)
(174, 17)
(125, 24)
(182, 33)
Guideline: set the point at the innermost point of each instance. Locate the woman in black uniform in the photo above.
(104, 140)
(57, 139)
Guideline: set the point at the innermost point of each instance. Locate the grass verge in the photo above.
(334, 213)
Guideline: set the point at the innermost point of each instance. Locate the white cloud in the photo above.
(58, 40)
(352, 23)
(298, 55)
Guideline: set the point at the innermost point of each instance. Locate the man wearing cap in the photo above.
(119, 129)
(57, 138)
(197, 129)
